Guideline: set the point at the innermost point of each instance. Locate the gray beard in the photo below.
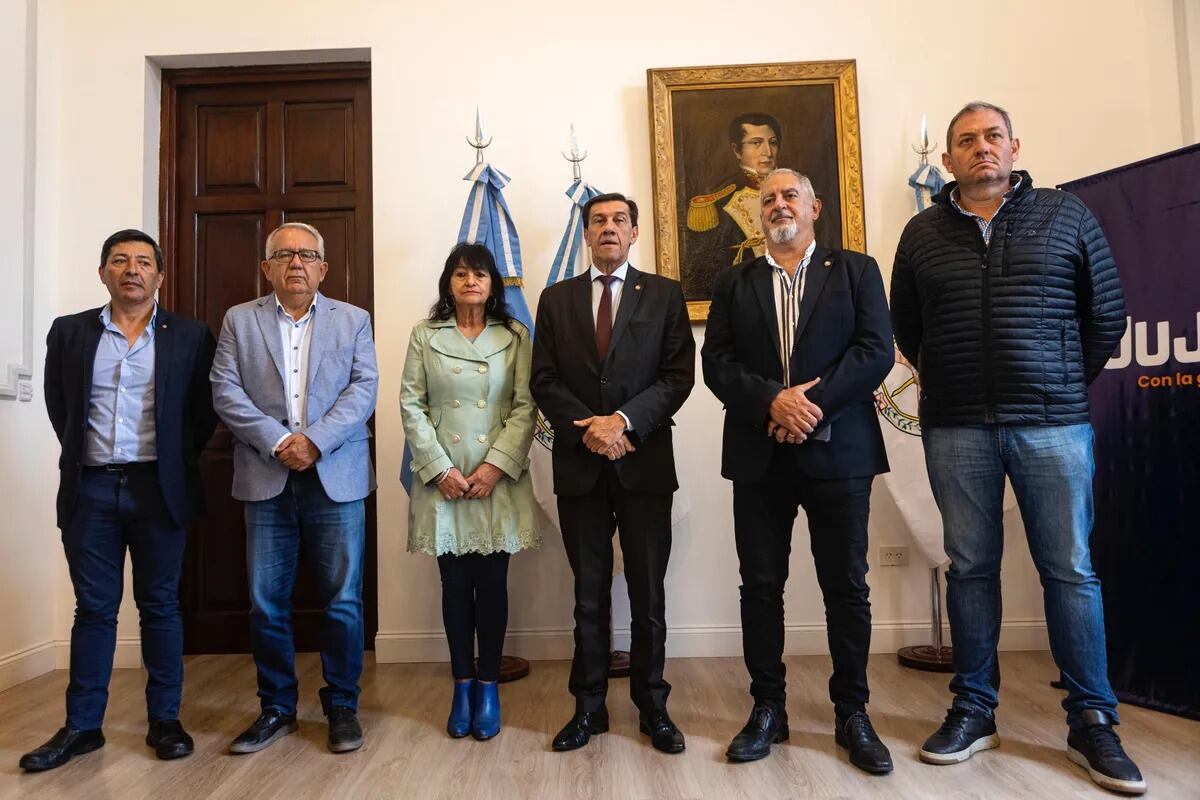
(784, 233)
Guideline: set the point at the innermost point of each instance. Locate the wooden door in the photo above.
(244, 150)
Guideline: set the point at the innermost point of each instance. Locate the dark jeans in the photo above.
(114, 511)
(644, 524)
(1051, 469)
(333, 536)
(475, 601)
(837, 511)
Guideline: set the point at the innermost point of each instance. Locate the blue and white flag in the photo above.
(570, 258)
(926, 182)
(487, 221)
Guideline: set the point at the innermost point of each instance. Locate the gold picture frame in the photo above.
(703, 187)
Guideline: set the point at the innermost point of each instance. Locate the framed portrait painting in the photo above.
(717, 131)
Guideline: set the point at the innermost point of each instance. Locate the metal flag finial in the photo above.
(575, 158)
(925, 149)
(479, 144)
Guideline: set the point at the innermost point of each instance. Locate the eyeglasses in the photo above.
(286, 256)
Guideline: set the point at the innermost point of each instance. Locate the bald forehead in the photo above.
(784, 182)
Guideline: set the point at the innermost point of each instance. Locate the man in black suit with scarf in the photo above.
(796, 343)
(613, 359)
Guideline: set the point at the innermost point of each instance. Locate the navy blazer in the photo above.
(843, 336)
(183, 413)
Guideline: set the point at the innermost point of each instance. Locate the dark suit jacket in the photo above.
(844, 337)
(183, 413)
(648, 373)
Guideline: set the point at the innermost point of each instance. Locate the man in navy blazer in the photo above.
(796, 342)
(295, 380)
(128, 394)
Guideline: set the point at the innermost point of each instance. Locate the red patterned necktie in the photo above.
(604, 316)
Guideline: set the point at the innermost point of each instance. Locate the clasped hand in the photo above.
(477, 485)
(297, 452)
(606, 436)
(793, 415)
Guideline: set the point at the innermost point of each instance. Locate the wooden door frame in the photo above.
(176, 80)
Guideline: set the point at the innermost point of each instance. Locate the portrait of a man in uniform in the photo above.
(718, 131)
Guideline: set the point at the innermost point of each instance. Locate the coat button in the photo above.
(456, 404)
(482, 403)
(604, 380)
(455, 439)
(483, 369)
(482, 438)
(456, 370)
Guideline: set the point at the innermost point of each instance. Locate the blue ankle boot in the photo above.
(486, 722)
(459, 723)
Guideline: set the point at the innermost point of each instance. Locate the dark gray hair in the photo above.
(971, 108)
(301, 226)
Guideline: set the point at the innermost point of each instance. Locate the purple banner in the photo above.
(1146, 412)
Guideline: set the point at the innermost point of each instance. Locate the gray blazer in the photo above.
(249, 397)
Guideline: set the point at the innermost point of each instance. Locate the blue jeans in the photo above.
(333, 537)
(1051, 470)
(114, 511)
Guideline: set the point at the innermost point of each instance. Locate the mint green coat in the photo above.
(464, 403)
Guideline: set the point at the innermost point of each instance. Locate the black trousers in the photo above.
(644, 522)
(475, 601)
(837, 511)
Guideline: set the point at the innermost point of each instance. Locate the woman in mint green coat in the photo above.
(468, 420)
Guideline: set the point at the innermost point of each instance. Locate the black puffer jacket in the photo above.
(1010, 333)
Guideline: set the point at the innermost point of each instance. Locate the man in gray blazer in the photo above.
(295, 380)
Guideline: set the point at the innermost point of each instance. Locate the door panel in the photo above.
(244, 150)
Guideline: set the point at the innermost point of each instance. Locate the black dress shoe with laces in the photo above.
(169, 739)
(962, 735)
(662, 731)
(867, 752)
(270, 725)
(767, 726)
(345, 734)
(1095, 746)
(67, 742)
(579, 731)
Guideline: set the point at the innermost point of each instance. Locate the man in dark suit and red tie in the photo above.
(613, 359)
(797, 340)
(128, 394)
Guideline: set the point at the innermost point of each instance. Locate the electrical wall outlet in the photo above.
(891, 555)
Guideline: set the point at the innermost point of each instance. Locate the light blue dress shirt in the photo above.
(120, 417)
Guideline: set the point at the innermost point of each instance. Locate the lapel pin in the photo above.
(637, 287)
(828, 263)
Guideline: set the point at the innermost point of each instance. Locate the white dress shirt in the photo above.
(296, 336)
(615, 289)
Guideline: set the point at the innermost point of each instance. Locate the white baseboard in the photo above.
(27, 664)
(127, 656)
(696, 641)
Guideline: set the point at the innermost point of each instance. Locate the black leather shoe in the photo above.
(867, 752)
(661, 730)
(270, 725)
(169, 739)
(580, 729)
(962, 735)
(767, 726)
(1095, 746)
(345, 734)
(62, 745)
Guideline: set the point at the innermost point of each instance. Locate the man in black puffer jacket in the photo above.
(1008, 301)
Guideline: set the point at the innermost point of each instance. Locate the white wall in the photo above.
(1091, 85)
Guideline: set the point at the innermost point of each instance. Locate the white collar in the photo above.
(618, 273)
(808, 254)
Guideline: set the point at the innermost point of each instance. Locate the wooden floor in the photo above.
(408, 755)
